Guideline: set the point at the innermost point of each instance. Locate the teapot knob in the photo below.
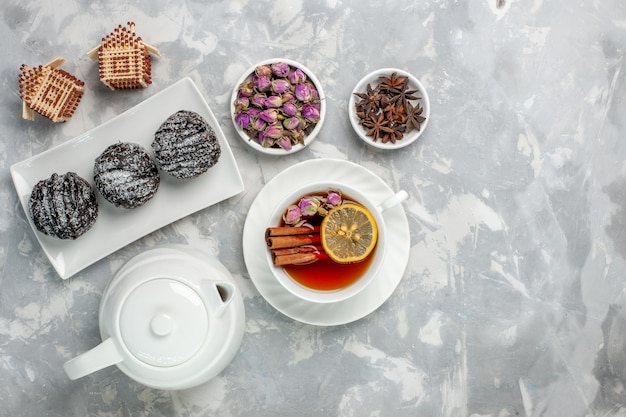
(162, 324)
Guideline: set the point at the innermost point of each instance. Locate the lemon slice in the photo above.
(348, 233)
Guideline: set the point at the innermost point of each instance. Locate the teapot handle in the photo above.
(220, 295)
(103, 355)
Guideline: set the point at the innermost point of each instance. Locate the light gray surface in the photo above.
(514, 307)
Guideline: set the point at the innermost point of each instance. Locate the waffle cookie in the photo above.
(124, 59)
(51, 92)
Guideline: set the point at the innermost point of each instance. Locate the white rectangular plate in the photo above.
(116, 227)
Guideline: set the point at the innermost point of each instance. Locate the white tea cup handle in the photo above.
(393, 201)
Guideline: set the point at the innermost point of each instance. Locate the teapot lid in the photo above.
(163, 322)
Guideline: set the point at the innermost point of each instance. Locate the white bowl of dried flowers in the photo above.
(278, 106)
(389, 108)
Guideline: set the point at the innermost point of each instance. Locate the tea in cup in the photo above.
(327, 241)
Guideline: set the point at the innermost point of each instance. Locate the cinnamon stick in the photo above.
(294, 245)
(299, 249)
(278, 242)
(298, 258)
(291, 230)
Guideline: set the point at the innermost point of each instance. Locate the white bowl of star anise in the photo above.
(389, 108)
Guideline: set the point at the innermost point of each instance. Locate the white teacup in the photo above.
(376, 208)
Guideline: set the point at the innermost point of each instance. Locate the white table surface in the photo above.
(513, 307)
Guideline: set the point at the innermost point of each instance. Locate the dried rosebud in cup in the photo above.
(277, 105)
(292, 215)
(309, 205)
(312, 206)
(333, 198)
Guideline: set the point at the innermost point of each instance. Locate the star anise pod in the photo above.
(392, 136)
(393, 83)
(414, 119)
(395, 113)
(377, 126)
(370, 100)
(402, 98)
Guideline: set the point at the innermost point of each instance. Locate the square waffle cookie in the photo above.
(51, 92)
(124, 59)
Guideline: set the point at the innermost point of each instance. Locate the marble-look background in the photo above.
(516, 306)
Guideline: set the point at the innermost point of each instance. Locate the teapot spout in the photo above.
(103, 355)
(220, 294)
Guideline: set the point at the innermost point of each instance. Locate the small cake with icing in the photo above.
(63, 206)
(185, 145)
(126, 175)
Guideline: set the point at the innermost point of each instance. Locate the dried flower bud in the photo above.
(309, 205)
(263, 71)
(287, 97)
(291, 123)
(258, 100)
(269, 115)
(303, 92)
(246, 89)
(242, 119)
(297, 76)
(242, 103)
(257, 123)
(280, 69)
(273, 101)
(297, 136)
(311, 112)
(261, 83)
(280, 86)
(290, 109)
(333, 198)
(284, 143)
(314, 93)
(274, 132)
(292, 215)
(265, 140)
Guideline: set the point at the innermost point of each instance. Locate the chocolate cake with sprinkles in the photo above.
(126, 175)
(63, 206)
(185, 145)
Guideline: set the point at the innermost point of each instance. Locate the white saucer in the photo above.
(344, 311)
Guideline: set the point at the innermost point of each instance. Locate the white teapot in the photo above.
(171, 318)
